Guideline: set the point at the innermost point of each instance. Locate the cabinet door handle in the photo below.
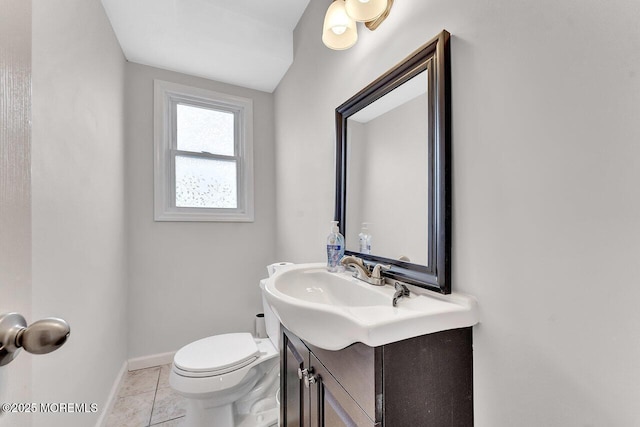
(310, 378)
(302, 373)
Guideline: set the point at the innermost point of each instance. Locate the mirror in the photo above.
(375, 169)
(393, 169)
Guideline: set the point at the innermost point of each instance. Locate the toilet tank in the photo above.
(272, 324)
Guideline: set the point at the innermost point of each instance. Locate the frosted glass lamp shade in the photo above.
(339, 31)
(365, 10)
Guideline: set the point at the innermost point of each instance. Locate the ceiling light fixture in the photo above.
(365, 10)
(340, 31)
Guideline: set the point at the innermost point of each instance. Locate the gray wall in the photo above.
(79, 245)
(192, 280)
(546, 100)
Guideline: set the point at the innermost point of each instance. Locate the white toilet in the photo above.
(231, 380)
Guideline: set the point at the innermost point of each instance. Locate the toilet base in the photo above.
(224, 416)
(198, 415)
(264, 419)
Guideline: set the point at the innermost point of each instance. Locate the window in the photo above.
(203, 155)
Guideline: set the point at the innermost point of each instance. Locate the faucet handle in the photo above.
(350, 259)
(377, 270)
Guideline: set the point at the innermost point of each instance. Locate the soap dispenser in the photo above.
(335, 248)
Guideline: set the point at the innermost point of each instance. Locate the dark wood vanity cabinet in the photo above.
(421, 381)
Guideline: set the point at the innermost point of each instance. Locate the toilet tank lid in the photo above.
(216, 352)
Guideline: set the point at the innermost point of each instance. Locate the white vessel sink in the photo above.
(335, 310)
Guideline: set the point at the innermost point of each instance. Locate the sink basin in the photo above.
(335, 310)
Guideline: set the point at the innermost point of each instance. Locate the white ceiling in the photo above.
(243, 42)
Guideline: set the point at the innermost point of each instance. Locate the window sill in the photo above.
(196, 215)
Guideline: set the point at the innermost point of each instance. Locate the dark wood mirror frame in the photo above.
(434, 57)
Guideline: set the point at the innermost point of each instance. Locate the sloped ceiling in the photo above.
(247, 43)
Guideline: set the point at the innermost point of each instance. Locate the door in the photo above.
(294, 409)
(15, 191)
(331, 405)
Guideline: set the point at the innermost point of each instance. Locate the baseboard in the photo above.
(150, 361)
(113, 395)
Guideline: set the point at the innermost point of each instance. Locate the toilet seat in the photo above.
(216, 355)
(201, 384)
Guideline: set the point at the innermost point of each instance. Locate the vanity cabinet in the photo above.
(421, 381)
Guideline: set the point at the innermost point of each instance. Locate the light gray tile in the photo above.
(132, 411)
(164, 376)
(168, 405)
(140, 381)
(177, 422)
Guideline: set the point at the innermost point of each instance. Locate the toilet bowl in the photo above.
(230, 380)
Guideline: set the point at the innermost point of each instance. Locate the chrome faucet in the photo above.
(362, 272)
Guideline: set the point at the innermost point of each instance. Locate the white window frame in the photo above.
(166, 97)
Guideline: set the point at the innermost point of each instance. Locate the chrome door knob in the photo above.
(43, 336)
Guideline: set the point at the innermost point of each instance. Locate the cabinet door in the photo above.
(331, 405)
(294, 409)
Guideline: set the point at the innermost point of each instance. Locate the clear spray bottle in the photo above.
(365, 239)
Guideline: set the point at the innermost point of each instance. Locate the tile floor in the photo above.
(145, 399)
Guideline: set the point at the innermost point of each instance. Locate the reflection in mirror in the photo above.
(387, 160)
(393, 169)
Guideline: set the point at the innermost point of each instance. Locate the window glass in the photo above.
(205, 130)
(206, 183)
